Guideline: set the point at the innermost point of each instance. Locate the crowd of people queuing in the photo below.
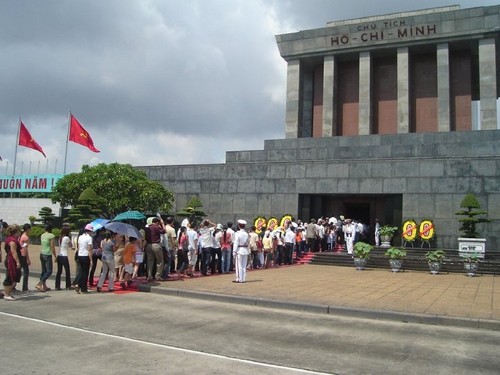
(161, 250)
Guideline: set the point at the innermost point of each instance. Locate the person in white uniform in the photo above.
(349, 231)
(377, 232)
(240, 251)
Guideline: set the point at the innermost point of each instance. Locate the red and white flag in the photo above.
(26, 140)
(79, 135)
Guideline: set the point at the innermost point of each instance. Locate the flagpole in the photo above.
(67, 141)
(17, 144)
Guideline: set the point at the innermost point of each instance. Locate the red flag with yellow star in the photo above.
(26, 140)
(79, 135)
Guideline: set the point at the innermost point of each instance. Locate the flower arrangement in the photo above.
(285, 220)
(410, 230)
(260, 224)
(426, 230)
(272, 223)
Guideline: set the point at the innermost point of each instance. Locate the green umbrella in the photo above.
(129, 215)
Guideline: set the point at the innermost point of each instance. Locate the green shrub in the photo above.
(395, 253)
(36, 231)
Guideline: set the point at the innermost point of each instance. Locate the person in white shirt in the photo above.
(216, 255)
(192, 249)
(349, 232)
(84, 259)
(240, 252)
(206, 239)
(62, 258)
(278, 251)
(377, 232)
(321, 235)
(231, 232)
(289, 244)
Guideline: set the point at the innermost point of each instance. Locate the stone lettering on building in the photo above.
(383, 31)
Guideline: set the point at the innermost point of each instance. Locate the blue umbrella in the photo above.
(123, 228)
(98, 223)
(129, 215)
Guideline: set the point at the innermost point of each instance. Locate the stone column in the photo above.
(488, 84)
(328, 95)
(292, 99)
(403, 90)
(306, 104)
(365, 107)
(443, 87)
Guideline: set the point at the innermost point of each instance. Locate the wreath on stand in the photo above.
(272, 223)
(409, 232)
(260, 223)
(285, 220)
(426, 232)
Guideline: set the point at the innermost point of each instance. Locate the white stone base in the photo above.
(472, 245)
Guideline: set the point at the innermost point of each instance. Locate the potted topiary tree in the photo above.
(361, 254)
(435, 259)
(396, 256)
(386, 234)
(471, 215)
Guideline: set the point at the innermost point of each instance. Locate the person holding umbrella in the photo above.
(109, 247)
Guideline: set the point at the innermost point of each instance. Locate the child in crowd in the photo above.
(128, 257)
(139, 256)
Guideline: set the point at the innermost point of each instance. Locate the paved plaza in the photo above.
(414, 296)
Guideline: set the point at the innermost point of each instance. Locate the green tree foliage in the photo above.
(118, 187)
(193, 211)
(86, 210)
(46, 214)
(471, 212)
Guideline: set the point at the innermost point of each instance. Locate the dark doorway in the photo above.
(388, 208)
(357, 211)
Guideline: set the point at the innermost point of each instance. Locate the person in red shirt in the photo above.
(13, 261)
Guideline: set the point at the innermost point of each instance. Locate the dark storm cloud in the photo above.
(170, 65)
(190, 79)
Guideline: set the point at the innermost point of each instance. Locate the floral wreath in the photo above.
(272, 223)
(285, 220)
(259, 223)
(426, 230)
(409, 230)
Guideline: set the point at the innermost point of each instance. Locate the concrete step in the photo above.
(415, 260)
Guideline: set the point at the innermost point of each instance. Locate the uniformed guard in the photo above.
(240, 251)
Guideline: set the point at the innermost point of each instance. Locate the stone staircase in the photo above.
(415, 260)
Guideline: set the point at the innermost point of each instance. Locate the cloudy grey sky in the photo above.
(154, 82)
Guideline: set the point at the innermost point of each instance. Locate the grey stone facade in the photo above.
(431, 172)
(393, 177)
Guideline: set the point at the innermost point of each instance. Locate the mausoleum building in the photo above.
(391, 117)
